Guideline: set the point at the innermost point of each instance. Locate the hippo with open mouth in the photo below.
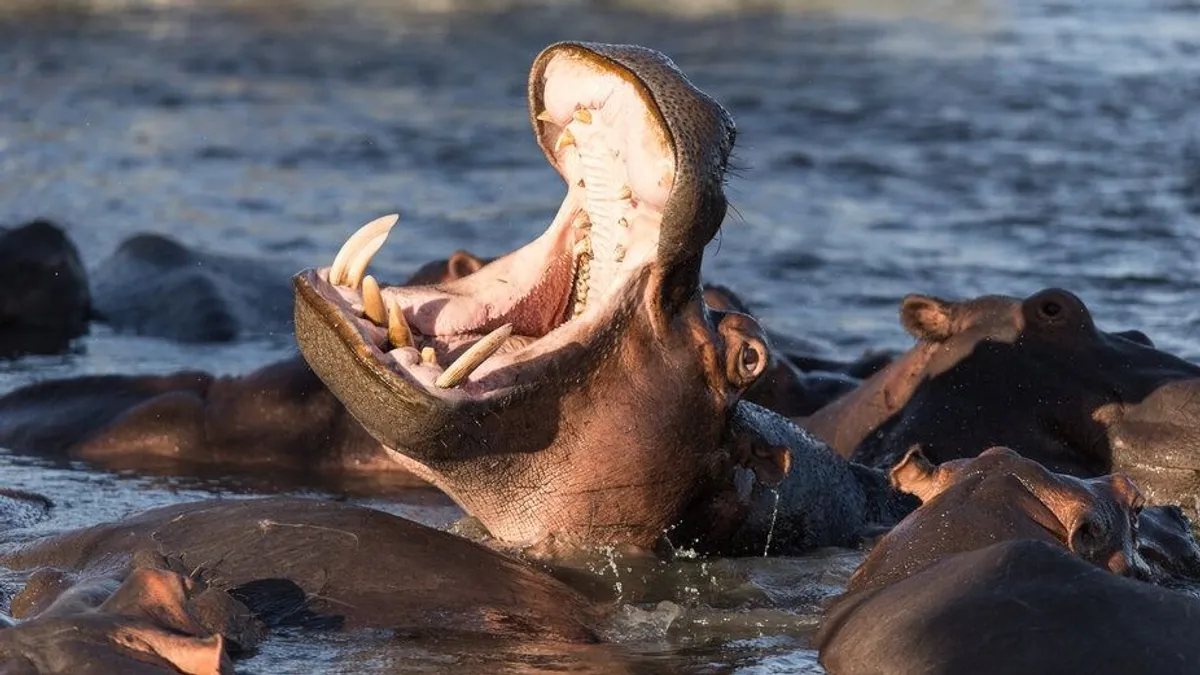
(578, 391)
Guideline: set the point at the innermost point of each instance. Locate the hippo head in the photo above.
(1037, 375)
(1096, 518)
(576, 390)
(44, 298)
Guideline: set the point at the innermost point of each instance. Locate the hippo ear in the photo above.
(916, 475)
(158, 595)
(926, 317)
(1127, 492)
(464, 263)
(770, 464)
(190, 655)
(722, 298)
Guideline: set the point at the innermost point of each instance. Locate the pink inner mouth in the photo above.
(563, 287)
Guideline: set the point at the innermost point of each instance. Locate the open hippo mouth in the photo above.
(507, 388)
(483, 334)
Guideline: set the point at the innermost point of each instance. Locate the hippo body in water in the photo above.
(1006, 568)
(414, 581)
(45, 302)
(1035, 375)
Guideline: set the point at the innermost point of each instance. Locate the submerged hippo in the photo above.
(44, 297)
(1036, 375)
(1007, 568)
(579, 391)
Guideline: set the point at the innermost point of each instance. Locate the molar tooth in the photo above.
(397, 328)
(545, 116)
(619, 253)
(365, 236)
(428, 356)
(373, 301)
(622, 222)
(625, 193)
(582, 246)
(564, 139)
(583, 115)
(474, 357)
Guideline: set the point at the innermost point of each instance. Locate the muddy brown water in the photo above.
(886, 147)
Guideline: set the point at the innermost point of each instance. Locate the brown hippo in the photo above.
(1008, 568)
(579, 391)
(44, 298)
(302, 559)
(153, 621)
(1036, 375)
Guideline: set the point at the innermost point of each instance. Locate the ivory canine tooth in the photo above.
(353, 245)
(358, 264)
(565, 139)
(583, 115)
(397, 328)
(474, 357)
(545, 116)
(373, 301)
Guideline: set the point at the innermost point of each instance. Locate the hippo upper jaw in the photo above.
(598, 338)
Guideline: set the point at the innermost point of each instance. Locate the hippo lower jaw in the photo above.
(597, 384)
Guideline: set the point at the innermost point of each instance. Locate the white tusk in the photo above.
(353, 246)
(474, 357)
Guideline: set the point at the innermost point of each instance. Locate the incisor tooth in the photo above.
(545, 116)
(397, 328)
(474, 357)
(564, 139)
(373, 301)
(428, 356)
(366, 235)
(583, 115)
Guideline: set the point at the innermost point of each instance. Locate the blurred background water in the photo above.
(886, 147)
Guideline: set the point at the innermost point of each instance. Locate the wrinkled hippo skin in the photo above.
(1035, 375)
(414, 582)
(44, 296)
(1049, 596)
(151, 621)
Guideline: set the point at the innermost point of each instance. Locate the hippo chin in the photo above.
(1035, 375)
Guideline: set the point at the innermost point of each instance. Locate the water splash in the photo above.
(771, 529)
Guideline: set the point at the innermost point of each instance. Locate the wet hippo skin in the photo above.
(417, 580)
(1035, 374)
(1008, 568)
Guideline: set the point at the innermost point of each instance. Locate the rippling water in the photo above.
(955, 148)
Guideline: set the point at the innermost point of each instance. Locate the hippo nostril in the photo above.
(1051, 309)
